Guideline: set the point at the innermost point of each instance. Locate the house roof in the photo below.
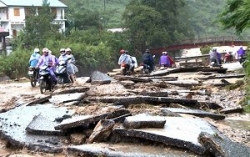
(37, 3)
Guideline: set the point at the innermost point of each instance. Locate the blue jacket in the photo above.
(34, 58)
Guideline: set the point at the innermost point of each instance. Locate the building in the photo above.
(13, 13)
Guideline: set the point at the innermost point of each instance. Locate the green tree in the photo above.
(156, 23)
(236, 15)
(39, 26)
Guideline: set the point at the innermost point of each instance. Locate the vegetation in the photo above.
(147, 23)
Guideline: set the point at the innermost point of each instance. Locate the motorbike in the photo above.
(33, 76)
(228, 58)
(46, 82)
(61, 73)
(146, 68)
(242, 59)
(126, 69)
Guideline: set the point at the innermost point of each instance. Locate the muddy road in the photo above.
(212, 97)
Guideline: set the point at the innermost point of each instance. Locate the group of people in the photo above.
(147, 59)
(47, 58)
(216, 57)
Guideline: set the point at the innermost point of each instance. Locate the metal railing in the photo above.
(215, 39)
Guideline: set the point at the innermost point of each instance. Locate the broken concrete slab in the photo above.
(220, 145)
(150, 93)
(39, 100)
(184, 83)
(98, 77)
(178, 131)
(232, 110)
(14, 122)
(88, 119)
(196, 112)
(160, 72)
(133, 78)
(40, 125)
(65, 98)
(144, 121)
(144, 99)
(71, 90)
(126, 150)
(101, 131)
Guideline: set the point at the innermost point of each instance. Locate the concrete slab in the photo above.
(88, 119)
(40, 125)
(219, 145)
(14, 122)
(64, 98)
(82, 80)
(196, 112)
(144, 121)
(70, 90)
(144, 99)
(98, 77)
(126, 150)
(178, 131)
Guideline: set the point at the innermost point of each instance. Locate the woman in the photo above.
(72, 69)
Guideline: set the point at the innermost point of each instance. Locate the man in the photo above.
(148, 59)
(47, 59)
(34, 58)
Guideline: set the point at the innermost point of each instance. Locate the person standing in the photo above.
(72, 69)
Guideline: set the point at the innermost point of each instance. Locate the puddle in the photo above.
(239, 124)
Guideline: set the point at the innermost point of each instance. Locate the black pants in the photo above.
(151, 64)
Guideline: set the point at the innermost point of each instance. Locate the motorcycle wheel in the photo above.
(42, 86)
(60, 80)
(32, 81)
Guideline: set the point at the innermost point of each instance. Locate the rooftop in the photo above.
(37, 3)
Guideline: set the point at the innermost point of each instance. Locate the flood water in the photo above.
(238, 124)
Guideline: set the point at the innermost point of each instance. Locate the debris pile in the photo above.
(110, 115)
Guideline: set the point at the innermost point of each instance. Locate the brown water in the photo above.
(238, 124)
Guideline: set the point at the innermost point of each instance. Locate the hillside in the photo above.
(202, 14)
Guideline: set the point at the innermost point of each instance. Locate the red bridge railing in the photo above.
(200, 42)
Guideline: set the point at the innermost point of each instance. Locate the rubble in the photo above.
(164, 108)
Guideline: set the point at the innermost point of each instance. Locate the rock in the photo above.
(101, 131)
(144, 121)
(77, 138)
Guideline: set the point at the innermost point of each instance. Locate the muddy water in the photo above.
(237, 123)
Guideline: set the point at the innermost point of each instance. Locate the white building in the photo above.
(13, 13)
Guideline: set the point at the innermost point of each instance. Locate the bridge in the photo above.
(201, 42)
